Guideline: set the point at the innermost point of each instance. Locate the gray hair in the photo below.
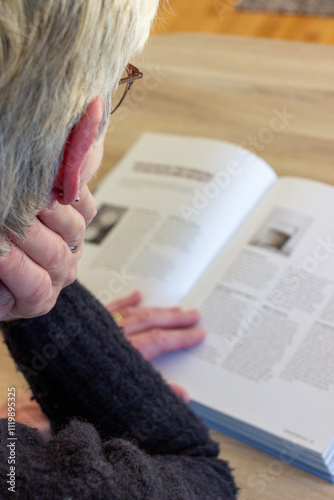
(56, 56)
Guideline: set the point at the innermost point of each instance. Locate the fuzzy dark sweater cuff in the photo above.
(79, 364)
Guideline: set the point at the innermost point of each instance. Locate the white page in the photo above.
(268, 359)
(171, 206)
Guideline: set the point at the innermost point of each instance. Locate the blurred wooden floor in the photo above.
(219, 16)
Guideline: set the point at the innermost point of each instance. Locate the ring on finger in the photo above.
(118, 317)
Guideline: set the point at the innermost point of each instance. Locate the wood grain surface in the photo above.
(232, 88)
(220, 16)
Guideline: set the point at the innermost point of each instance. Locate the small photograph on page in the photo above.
(281, 231)
(106, 219)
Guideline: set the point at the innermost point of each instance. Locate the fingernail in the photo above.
(200, 332)
(137, 295)
(195, 312)
(52, 200)
(53, 205)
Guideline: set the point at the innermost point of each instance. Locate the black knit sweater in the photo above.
(119, 432)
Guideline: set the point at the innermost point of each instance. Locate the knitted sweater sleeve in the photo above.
(119, 431)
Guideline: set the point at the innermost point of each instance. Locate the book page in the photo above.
(165, 212)
(267, 303)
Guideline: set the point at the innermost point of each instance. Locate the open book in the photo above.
(207, 224)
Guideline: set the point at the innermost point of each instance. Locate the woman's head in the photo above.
(56, 56)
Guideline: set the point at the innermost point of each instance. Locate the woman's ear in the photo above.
(79, 142)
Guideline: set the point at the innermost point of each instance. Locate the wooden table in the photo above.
(231, 88)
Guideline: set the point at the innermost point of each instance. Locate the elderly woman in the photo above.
(118, 431)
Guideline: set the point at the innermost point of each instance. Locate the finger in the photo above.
(32, 296)
(144, 318)
(158, 341)
(64, 221)
(131, 300)
(181, 392)
(48, 249)
(86, 205)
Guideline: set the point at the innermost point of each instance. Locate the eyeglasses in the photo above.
(133, 75)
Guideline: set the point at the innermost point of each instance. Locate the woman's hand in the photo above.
(155, 330)
(36, 269)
